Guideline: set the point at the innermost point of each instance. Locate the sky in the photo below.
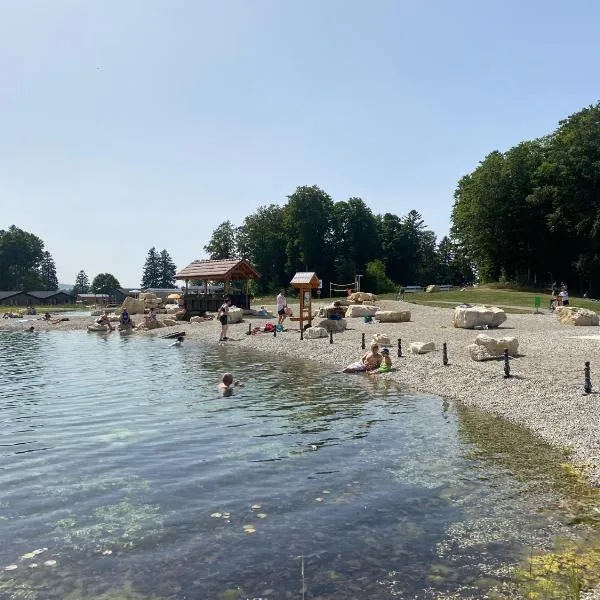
(127, 125)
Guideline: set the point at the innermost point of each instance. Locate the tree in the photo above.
(222, 243)
(167, 270)
(151, 276)
(48, 272)
(20, 256)
(376, 278)
(82, 284)
(104, 283)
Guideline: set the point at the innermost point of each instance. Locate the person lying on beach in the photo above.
(105, 320)
(60, 320)
(178, 341)
(369, 362)
(227, 384)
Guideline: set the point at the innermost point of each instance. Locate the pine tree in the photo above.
(167, 270)
(152, 276)
(82, 284)
(48, 272)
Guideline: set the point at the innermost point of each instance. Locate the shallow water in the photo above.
(121, 462)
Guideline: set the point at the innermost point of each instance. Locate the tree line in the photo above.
(338, 240)
(532, 214)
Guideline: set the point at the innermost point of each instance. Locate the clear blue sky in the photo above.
(139, 123)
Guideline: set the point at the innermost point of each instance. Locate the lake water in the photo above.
(121, 462)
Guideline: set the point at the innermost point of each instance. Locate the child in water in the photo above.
(386, 362)
(227, 384)
(178, 341)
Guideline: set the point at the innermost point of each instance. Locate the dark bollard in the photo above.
(301, 333)
(331, 336)
(399, 348)
(506, 364)
(362, 344)
(445, 354)
(249, 328)
(587, 386)
(275, 331)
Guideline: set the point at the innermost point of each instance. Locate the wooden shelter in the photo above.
(305, 282)
(227, 270)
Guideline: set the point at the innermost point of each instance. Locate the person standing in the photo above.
(222, 315)
(281, 306)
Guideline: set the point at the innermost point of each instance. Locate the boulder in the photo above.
(197, 319)
(327, 311)
(469, 317)
(169, 322)
(359, 297)
(381, 339)
(422, 347)
(486, 347)
(432, 288)
(392, 316)
(313, 333)
(171, 309)
(335, 325)
(235, 315)
(571, 315)
(133, 306)
(180, 315)
(361, 310)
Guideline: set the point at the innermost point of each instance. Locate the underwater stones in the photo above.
(313, 333)
(393, 316)
(571, 315)
(422, 347)
(361, 310)
(469, 317)
(486, 347)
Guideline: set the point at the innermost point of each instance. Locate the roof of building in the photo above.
(305, 278)
(215, 270)
(93, 296)
(47, 294)
(8, 294)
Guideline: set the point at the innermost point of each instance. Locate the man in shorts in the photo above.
(281, 306)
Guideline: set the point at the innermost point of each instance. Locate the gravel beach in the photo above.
(544, 393)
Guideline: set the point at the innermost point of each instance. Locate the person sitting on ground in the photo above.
(227, 384)
(337, 312)
(125, 320)
(47, 316)
(386, 362)
(105, 320)
(178, 342)
(369, 362)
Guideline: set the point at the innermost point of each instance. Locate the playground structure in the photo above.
(305, 282)
(345, 288)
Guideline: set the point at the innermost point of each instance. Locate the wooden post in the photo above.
(362, 343)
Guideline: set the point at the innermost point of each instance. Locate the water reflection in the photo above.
(145, 482)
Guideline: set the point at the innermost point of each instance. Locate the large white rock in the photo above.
(392, 316)
(486, 347)
(381, 339)
(133, 306)
(432, 288)
(197, 319)
(474, 316)
(335, 325)
(571, 315)
(360, 297)
(169, 322)
(235, 315)
(361, 310)
(313, 333)
(422, 347)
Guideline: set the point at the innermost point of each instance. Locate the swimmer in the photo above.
(369, 362)
(227, 384)
(177, 342)
(30, 329)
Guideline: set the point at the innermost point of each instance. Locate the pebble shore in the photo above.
(544, 392)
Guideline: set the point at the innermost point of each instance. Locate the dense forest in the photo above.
(532, 214)
(339, 240)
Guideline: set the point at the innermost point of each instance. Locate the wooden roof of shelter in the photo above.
(219, 270)
(305, 279)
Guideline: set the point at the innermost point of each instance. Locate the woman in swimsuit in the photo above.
(369, 362)
(222, 316)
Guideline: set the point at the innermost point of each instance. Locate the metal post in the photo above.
(587, 386)
(331, 336)
(445, 354)
(362, 343)
(399, 348)
(506, 364)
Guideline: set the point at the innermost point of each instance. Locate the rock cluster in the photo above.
(469, 317)
(360, 297)
(571, 315)
(145, 301)
(486, 347)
